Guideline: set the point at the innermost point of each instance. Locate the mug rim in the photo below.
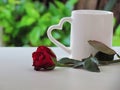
(91, 12)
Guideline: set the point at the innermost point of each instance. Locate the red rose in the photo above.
(44, 58)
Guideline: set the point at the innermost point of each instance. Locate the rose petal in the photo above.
(42, 58)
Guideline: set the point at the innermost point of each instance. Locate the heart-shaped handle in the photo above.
(59, 27)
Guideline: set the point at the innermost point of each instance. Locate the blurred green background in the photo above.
(25, 22)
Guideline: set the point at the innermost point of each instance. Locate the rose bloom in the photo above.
(44, 59)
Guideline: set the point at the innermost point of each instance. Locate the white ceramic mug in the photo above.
(85, 25)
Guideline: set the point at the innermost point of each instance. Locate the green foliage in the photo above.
(116, 37)
(25, 22)
(90, 63)
(110, 5)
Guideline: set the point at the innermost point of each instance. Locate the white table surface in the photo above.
(17, 73)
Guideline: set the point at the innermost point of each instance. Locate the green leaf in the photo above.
(118, 55)
(54, 60)
(60, 5)
(40, 7)
(68, 61)
(9, 30)
(94, 59)
(31, 11)
(34, 36)
(109, 62)
(66, 40)
(116, 39)
(26, 21)
(101, 47)
(70, 4)
(90, 64)
(79, 65)
(53, 10)
(15, 33)
(46, 41)
(56, 35)
(104, 57)
(6, 12)
(109, 6)
(50, 68)
(45, 18)
(6, 38)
